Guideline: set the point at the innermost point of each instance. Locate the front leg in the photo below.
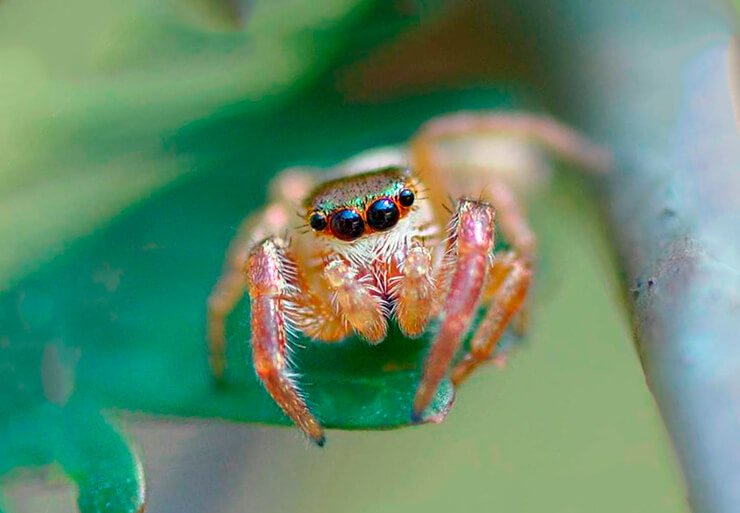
(286, 190)
(270, 274)
(471, 243)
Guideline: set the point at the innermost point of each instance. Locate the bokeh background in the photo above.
(171, 118)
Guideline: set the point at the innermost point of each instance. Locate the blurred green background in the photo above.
(172, 117)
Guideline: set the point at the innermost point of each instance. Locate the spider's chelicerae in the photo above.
(379, 244)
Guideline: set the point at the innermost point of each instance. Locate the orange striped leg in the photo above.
(362, 310)
(269, 270)
(507, 300)
(415, 292)
(472, 243)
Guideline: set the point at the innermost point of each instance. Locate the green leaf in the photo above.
(85, 445)
(131, 300)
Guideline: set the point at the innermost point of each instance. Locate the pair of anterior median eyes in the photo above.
(347, 224)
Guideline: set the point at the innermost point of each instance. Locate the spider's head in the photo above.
(356, 206)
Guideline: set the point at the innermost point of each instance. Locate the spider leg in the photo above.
(227, 292)
(427, 153)
(415, 291)
(230, 287)
(511, 278)
(561, 140)
(270, 274)
(512, 221)
(546, 132)
(361, 309)
(286, 191)
(471, 243)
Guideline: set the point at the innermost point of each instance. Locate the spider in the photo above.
(379, 244)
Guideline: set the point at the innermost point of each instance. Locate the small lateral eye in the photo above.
(406, 198)
(347, 225)
(317, 222)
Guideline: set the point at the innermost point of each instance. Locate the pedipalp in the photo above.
(362, 310)
(415, 291)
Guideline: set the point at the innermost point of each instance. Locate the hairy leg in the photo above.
(511, 279)
(270, 274)
(471, 238)
(287, 190)
(562, 141)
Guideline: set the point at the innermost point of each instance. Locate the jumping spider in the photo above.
(378, 244)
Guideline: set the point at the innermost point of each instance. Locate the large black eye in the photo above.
(317, 222)
(347, 225)
(406, 198)
(382, 215)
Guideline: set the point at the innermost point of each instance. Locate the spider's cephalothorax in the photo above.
(363, 230)
(377, 245)
(376, 213)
